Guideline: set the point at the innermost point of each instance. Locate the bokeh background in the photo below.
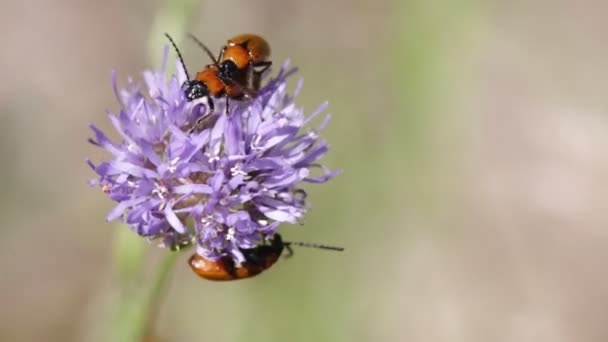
(474, 138)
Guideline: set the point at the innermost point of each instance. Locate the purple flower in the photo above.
(225, 183)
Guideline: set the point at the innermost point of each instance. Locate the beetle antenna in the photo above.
(313, 245)
(181, 59)
(204, 47)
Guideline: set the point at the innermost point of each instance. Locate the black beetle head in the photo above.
(194, 90)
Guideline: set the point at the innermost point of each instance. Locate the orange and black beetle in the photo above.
(257, 260)
(235, 74)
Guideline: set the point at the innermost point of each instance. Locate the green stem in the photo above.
(138, 304)
(157, 290)
(138, 308)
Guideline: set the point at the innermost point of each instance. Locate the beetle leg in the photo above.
(253, 79)
(289, 251)
(198, 124)
(264, 64)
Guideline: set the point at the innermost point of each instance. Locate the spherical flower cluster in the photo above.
(222, 181)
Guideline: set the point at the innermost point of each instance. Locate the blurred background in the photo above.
(473, 135)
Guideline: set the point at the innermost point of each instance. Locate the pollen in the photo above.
(230, 235)
(160, 190)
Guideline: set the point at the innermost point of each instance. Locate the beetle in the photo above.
(257, 260)
(233, 73)
(245, 53)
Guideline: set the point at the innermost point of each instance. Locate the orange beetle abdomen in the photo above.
(238, 55)
(224, 269)
(257, 47)
(257, 260)
(211, 270)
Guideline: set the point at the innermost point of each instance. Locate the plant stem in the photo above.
(138, 308)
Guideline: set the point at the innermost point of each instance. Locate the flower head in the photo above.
(225, 184)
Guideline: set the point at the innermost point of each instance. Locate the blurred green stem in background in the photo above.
(172, 18)
(129, 252)
(137, 305)
(421, 33)
(433, 39)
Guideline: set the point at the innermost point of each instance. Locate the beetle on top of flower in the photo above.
(223, 181)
